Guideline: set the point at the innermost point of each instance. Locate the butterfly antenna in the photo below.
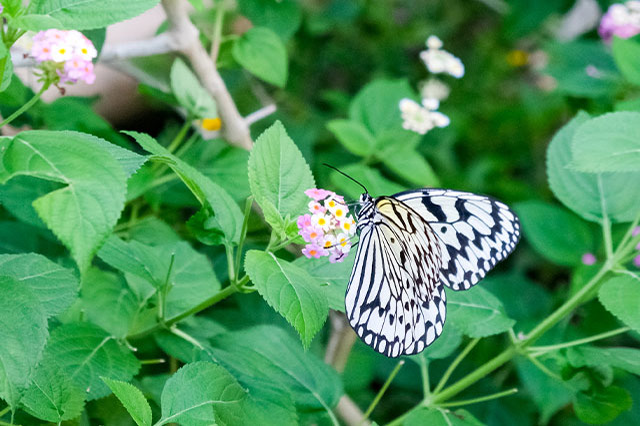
(344, 174)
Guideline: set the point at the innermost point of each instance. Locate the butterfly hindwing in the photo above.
(395, 300)
(475, 232)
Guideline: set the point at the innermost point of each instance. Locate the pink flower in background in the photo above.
(588, 259)
(621, 20)
(636, 261)
(329, 228)
(68, 53)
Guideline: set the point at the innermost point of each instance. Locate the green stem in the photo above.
(455, 364)
(384, 388)
(281, 245)
(27, 105)
(230, 266)
(219, 296)
(217, 31)
(424, 373)
(539, 350)
(501, 359)
(544, 369)
(606, 223)
(243, 233)
(5, 410)
(153, 361)
(566, 308)
(164, 291)
(186, 337)
(629, 232)
(480, 399)
(180, 136)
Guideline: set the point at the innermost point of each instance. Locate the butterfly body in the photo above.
(412, 245)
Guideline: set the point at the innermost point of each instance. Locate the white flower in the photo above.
(433, 42)
(349, 226)
(440, 61)
(422, 118)
(434, 88)
(321, 221)
(329, 241)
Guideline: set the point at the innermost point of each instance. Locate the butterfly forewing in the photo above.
(475, 232)
(395, 300)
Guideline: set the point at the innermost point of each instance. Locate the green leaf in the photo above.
(369, 177)
(626, 53)
(86, 352)
(586, 193)
(278, 172)
(282, 17)
(192, 277)
(601, 405)
(83, 212)
(190, 93)
(477, 312)
(132, 399)
(227, 214)
(354, 136)
(88, 14)
(108, 302)
(333, 276)
(23, 333)
(548, 393)
(554, 233)
(376, 105)
(55, 287)
(608, 143)
(6, 67)
(410, 165)
(440, 417)
(266, 354)
(35, 22)
(627, 359)
(202, 393)
(620, 295)
(290, 290)
(583, 68)
(444, 345)
(53, 396)
(261, 52)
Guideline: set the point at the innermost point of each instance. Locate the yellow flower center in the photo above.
(313, 235)
(321, 221)
(327, 244)
(312, 252)
(62, 51)
(211, 124)
(347, 225)
(338, 213)
(332, 203)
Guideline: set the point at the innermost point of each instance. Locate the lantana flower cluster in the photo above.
(64, 56)
(328, 228)
(621, 20)
(422, 117)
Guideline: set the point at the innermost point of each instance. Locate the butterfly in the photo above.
(412, 245)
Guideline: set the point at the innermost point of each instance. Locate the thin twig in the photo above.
(185, 36)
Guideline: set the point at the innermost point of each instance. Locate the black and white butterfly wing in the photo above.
(395, 300)
(475, 232)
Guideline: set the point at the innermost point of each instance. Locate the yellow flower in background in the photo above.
(211, 124)
(517, 58)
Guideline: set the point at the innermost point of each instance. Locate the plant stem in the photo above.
(567, 307)
(629, 232)
(480, 399)
(606, 223)
(230, 266)
(474, 376)
(544, 349)
(5, 410)
(454, 364)
(27, 105)
(378, 397)
(164, 291)
(221, 295)
(243, 233)
(217, 31)
(180, 136)
(424, 373)
(153, 361)
(544, 369)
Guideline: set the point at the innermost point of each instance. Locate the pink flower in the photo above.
(329, 227)
(64, 55)
(621, 20)
(314, 251)
(304, 221)
(317, 194)
(636, 261)
(636, 231)
(588, 259)
(311, 234)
